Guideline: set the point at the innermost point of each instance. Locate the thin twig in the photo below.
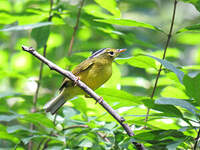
(35, 97)
(164, 55)
(196, 140)
(76, 126)
(89, 91)
(75, 28)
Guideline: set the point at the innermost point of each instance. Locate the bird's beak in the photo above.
(121, 50)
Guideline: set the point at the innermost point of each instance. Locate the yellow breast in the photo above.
(97, 75)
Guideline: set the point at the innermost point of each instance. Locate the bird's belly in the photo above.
(97, 76)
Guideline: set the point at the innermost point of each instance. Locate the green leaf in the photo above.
(177, 102)
(196, 3)
(26, 27)
(5, 136)
(192, 67)
(8, 118)
(111, 6)
(175, 92)
(138, 61)
(70, 112)
(169, 66)
(96, 11)
(40, 35)
(27, 139)
(127, 22)
(37, 118)
(18, 128)
(158, 135)
(192, 86)
(189, 38)
(169, 110)
(174, 145)
(86, 143)
(195, 27)
(119, 97)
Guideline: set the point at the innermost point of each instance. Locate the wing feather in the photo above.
(85, 65)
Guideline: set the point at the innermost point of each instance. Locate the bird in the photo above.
(94, 72)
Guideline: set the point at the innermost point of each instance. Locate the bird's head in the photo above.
(107, 53)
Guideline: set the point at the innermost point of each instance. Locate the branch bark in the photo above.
(75, 28)
(164, 55)
(89, 91)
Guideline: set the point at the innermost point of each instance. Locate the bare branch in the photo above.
(89, 91)
(75, 28)
(164, 55)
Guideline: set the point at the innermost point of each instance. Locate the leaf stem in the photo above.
(164, 55)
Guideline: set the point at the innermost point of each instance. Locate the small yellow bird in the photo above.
(94, 72)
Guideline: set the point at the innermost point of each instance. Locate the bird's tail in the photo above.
(54, 104)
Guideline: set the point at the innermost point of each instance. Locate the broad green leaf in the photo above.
(177, 102)
(127, 22)
(163, 122)
(18, 128)
(192, 67)
(7, 118)
(195, 27)
(135, 81)
(96, 11)
(40, 35)
(111, 6)
(3, 128)
(174, 145)
(119, 97)
(37, 118)
(169, 110)
(158, 135)
(192, 86)
(70, 112)
(188, 38)
(86, 143)
(80, 104)
(26, 27)
(5, 136)
(138, 61)
(27, 139)
(170, 66)
(174, 92)
(196, 3)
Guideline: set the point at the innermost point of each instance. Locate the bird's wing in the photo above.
(85, 65)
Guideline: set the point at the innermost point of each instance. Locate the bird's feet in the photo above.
(76, 81)
(100, 100)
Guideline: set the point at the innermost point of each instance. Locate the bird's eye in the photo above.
(111, 53)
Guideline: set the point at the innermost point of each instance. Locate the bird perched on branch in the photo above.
(94, 72)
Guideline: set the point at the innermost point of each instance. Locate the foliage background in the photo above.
(141, 27)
